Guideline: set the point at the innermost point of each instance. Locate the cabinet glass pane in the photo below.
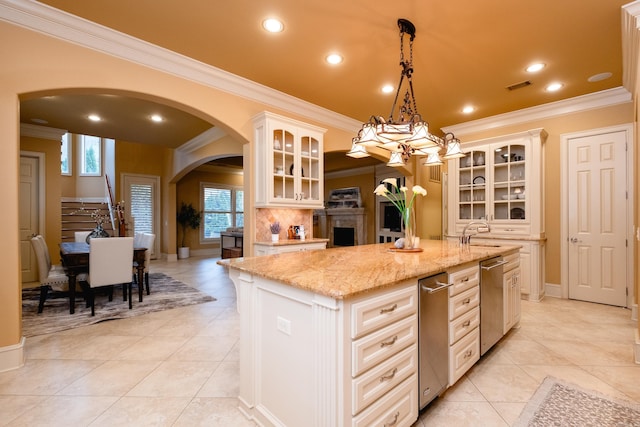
(509, 183)
(282, 164)
(472, 190)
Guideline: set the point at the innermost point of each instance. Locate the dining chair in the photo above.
(147, 240)
(81, 236)
(109, 265)
(51, 277)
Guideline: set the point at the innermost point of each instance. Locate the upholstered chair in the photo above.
(51, 277)
(109, 265)
(81, 236)
(147, 241)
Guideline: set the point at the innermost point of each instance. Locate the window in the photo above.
(65, 155)
(90, 155)
(142, 208)
(223, 208)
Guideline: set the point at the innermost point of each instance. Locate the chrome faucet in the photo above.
(481, 227)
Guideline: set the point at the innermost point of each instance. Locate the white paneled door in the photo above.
(597, 209)
(29, 211)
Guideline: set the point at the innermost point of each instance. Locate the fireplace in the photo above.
(342, 226)
(344, 236)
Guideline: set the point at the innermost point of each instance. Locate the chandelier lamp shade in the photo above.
(406, 134)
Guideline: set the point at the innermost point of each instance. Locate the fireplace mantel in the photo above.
(329, 219)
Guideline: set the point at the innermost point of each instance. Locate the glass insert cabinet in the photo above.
(492, 184)
(499, 181)
(289, 162)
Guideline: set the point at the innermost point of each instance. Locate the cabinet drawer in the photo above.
(375, 312)
(463, 355)
(380, 345)
(397, 408)
(464, 279)
(464, 324)
(464, 302)
(510, 229)
(373, 384)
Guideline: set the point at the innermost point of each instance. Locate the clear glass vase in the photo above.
(409, 224)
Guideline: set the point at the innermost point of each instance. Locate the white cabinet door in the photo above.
(289, 163)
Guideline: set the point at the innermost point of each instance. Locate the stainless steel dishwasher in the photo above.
(433, 342)
(491, 302)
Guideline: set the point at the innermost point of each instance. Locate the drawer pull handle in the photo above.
(388, 310)
(389, 376)
(392, 341)
(466, 279)
(395, 420)
(466, 324)
(467, 301)
(468, 354)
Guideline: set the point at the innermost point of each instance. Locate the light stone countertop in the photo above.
(348, 271)
(291, 242)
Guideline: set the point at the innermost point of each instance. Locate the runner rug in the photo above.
(557, 403)
(166, 293)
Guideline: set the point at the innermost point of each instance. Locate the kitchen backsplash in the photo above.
(286, 217)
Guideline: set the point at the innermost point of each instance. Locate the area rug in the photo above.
(558, 403)
(166, 293)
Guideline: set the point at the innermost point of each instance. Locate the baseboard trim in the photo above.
(634, 312)
(12, 356)
(552, 290)
(636, 347)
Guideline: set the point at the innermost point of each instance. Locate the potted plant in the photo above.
(188, 217)
(275, 231)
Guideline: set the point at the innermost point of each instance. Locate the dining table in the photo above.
(75, 261)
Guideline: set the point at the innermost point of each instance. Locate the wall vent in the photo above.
(519, 85)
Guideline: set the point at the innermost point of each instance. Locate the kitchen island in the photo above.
(329, 338)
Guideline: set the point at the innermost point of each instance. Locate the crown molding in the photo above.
(44, 132)
(201, 140)
(605, 98)
(630, 44)
(53, 22)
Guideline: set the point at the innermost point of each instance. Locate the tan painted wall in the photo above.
(594, 119)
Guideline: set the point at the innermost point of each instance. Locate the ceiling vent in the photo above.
(519, 85)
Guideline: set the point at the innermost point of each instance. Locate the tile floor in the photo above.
(180, 367)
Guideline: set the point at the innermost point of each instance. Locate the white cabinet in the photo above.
(309, 359)
(464, 321)
(261, 249)
(501, 182)
(511, 287)
(288, 163)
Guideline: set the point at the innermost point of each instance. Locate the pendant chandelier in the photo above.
(406, 134)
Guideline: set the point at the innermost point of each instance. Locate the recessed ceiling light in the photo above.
(94, 118)
(273, 25)
(157, 118)
(334, 59)
(534, 68)
(553, 87)
(468, 109)
(387, 89)
(598, 77)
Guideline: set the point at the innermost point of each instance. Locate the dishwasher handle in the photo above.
(438, 287)
(494, 265)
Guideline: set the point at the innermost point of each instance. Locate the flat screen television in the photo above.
(392, 218)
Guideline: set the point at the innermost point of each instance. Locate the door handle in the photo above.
(575, 240)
